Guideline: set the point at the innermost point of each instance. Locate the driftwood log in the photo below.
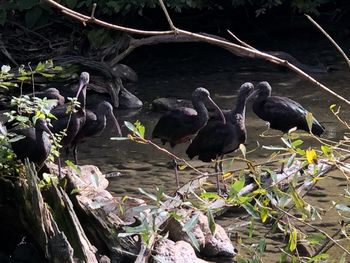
(78, 220)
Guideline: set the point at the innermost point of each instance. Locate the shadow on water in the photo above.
(221, 73)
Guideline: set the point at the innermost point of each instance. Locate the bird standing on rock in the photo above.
(218, 138)
(94, 124)
(180, 125)
(281, 112)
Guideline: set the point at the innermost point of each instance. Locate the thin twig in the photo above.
(87, 19)
(240, 41)
(330, 39)
(315, 228)
(171, 24)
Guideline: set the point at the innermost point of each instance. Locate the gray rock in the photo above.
(127, 100)
(217, 245)
(167, 251)
(167, 104)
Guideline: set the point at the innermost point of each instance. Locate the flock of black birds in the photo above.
(213, 137)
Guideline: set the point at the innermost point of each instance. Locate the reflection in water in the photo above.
(143, 166)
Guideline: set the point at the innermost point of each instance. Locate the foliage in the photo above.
(35, 12)
(26, 110)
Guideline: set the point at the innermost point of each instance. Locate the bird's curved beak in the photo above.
(47, 130)
(253, 95)
(116, 123)
(81, 86)
(217, 109)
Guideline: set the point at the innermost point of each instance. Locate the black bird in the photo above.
(72, 121)
(50, 93)
(281, 112)
(179, 126)
(218, 138)
(94, 124)
(35, 145)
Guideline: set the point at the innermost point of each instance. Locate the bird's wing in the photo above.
(210, 140)
(281, 108)
(174, 123)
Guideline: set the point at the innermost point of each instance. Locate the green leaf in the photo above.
(193, 240)
(299, 202)
(73, 166)
(319, 258)
(211, 221)
(210, 195)
(293, 238)
(251, 210)
(262, 245)
(237, 186)
(40, 67)
(264, 213)
(297, 143)
(291, 160)
(316, 239)
(188, 227)
(130, 126)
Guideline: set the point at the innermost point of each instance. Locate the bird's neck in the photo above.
(240, 107)
(101, 118)
(82, 99)
(202, 111)
(39, 136)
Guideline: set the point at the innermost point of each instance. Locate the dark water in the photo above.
(168, 74)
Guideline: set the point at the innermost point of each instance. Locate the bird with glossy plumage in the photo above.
(72, 121)
(94, 124)
(180, 125)
(51, 94)
(218, 138)
(282, 113)
(35, 144)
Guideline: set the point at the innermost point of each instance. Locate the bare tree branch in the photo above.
(234, 48)
(330, 39)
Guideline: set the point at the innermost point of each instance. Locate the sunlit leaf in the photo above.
(293, 239)
(237, 186)
(264, 213)
(320, 258)
(227, 175)
(120, 138)
(210, 195)
(130, 126)
(243, 150)
(309, 120)
(297, 143)
(182, 167)
(311, 155)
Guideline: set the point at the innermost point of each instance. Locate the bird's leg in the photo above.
(175, 169)
(75, 154)
(217, 172)
(176, 175)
